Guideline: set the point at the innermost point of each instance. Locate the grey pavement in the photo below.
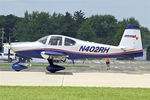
(135, 74)
(132, 67)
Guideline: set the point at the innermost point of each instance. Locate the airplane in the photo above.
(61, 47)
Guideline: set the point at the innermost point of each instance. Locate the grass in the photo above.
(5, 64)
(44, 65)
(72, 93)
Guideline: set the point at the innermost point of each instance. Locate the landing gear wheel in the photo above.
(53, 68)
(17, 70)
(52, 71)
(17, 67)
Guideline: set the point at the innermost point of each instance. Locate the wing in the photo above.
(48, 54)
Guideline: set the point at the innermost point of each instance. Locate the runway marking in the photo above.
(11, 78)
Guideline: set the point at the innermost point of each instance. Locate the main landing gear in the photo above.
(53, 68)
(17, 67)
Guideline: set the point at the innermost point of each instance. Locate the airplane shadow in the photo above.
(59, 73)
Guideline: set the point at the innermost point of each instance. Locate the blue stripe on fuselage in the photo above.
(74, 55)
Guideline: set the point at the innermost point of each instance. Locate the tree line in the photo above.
(97, 28)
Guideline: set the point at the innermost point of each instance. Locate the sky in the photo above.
(139, 9)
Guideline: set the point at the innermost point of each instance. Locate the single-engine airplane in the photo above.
(63, 47)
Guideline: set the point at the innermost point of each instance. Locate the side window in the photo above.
(69, 42)
(55, 40)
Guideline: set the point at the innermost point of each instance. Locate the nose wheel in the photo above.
(53, 68)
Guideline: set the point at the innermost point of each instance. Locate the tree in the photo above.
(121, 27)
(79, 18)
(2, 21)
(86, 32)
(32, 26)
(68, 25)
(104, 27)
(145, 36)
(0, 39)
(57, 25)
(148, 53)
(8, 22)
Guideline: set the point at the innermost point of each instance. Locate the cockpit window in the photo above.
(43, 40)
(55, 40)
(69, 42)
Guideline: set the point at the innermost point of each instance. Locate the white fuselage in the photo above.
(81, 49)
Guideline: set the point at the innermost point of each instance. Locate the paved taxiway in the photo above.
(11, 78)
(122, 74)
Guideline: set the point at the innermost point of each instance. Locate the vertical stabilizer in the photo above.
(131, 39)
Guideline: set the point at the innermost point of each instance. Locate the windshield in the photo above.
(43, 40)
(55, 40)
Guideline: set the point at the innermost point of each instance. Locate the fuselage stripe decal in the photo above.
(44, 49)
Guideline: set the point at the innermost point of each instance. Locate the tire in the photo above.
(52, 71)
